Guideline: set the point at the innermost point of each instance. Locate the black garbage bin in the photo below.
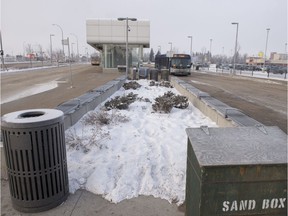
(143, 72)
(153, 74)
(34, 145)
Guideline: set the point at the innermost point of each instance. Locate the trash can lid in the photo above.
(32, 118)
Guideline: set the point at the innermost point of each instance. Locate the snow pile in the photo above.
(140, 152)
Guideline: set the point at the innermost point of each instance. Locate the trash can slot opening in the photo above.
(31, 114)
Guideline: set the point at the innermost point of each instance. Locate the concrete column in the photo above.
(140, 53)
(105, 55)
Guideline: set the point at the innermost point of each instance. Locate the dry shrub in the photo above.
(119, 118)
(131, 85)
(84, 142)
(180, 102)
(120, 102)
(152, 83)
(104, 118)
(169, 100)
(93, 118)
(166, 84)
(162, 104)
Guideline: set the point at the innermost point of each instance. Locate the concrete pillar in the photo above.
(105, 55)
(140, 52)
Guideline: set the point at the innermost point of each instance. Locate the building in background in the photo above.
(275, 59)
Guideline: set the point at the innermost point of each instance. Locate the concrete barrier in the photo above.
(217, 111)
(76, 108)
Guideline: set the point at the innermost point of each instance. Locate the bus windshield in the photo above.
(180, 61)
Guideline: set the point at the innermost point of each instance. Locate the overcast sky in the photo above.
(30, 22)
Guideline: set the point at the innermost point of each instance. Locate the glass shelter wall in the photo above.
(114, 55)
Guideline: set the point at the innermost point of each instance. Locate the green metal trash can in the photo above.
(165, 74)
(34, 145)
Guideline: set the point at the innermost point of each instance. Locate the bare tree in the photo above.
(58, 55)
(151, 55)
(40, 50)
(29, 49)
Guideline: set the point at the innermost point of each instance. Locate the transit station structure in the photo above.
(108, 36)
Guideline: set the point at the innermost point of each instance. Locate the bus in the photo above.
(95, 60)
(178, 64)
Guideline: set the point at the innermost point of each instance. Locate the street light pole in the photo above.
(235, 50)
(72, 51)
(2, 54)
(191, 45)
(24, 49)
(51, 47)
(62, 37)
(77, 44)
(170, 48)
(210, 51)
(127, 29)
(268, 29)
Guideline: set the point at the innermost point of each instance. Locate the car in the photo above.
(278, 69)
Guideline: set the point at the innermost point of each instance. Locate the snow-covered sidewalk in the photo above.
(139, 153)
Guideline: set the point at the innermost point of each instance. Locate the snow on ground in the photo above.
(14, 70)
(35, 89)
(144, 156)
(257, 74)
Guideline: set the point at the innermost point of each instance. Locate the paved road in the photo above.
(262, 99)
(84, 78)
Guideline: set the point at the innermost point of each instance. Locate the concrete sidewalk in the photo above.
(84, 203)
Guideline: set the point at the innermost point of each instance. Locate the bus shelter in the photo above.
(108, 36)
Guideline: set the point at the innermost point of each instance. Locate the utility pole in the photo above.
(2, 54)
(51, 35)
(210, 56)
(191, 45)
(235, 51)
(62, 38)
(268, 29)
